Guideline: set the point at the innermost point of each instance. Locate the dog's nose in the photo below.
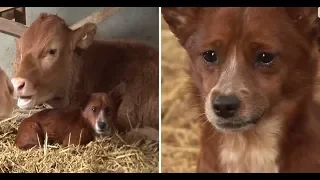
(226, 106)
(102, 124)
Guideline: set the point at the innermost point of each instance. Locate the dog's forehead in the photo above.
(105, 99)
(101, 99)
(94, 100)
(234, 24)
(231, 19)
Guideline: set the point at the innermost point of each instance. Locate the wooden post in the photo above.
(16, 29)
(12, 28)
(20, 15)
(96, 17)
(7, 12)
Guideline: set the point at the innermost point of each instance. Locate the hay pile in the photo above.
(179, 129)
(109, 154)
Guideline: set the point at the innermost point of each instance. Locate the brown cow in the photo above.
(95, 115)
(53, 61)
(6, 99)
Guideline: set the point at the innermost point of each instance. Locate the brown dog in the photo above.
(6, 95)
(254, 71)
(97, 115)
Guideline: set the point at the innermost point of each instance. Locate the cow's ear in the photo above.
(83, 36)
(306, 20)
(182, 21)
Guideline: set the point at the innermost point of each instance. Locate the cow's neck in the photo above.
(64, 97)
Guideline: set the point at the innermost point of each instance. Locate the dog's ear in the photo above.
(181, 20)
(118, 92)
(81, 99)
(307, 21)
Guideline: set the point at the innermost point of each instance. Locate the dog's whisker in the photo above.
(198, 116)
(194, 105)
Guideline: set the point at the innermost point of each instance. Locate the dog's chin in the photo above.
(104, 132)
(100, 132)
(235, 125)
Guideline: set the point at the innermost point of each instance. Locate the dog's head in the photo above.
(247, 61)
(100, 109)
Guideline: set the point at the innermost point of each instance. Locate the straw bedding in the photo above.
(179, 144)
(108, 154)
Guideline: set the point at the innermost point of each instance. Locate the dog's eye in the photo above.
(94, 109)
(210, 57)
(265, 58)
(52, 51)
(108, 110)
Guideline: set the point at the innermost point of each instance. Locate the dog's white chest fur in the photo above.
(252, 154)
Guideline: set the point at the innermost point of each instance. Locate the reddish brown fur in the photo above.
(287, 136)
(87, 65)
(6, 95)
(68, 125)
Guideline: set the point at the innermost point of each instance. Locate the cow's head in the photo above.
(44, 58)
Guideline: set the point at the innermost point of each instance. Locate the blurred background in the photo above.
(180, 133)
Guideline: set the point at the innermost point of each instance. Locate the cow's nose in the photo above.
(226, 106)
(18, 83)
(22, 87)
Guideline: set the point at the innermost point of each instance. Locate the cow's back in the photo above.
(108, 63)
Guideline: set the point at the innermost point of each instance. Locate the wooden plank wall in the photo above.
(17, 14)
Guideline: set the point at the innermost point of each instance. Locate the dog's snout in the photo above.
(102, 124)
(225, 106)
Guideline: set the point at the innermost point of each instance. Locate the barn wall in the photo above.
(139, 23)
